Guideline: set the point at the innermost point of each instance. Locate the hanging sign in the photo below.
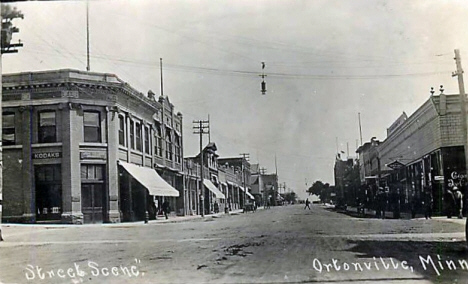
(395, 165)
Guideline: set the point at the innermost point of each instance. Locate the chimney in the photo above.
(442, 101)
(151, 95)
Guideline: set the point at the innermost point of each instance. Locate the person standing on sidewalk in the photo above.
(459, 202)
(428, 203)
(307, 203)
(165, 208)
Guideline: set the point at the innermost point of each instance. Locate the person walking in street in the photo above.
(307, 203)
(165, 208)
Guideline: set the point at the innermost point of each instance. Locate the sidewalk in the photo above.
(160, 220)
(403, 215)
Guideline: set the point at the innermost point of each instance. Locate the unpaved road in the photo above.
(280, 245)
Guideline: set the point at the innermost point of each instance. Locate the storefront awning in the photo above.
(247, 193)
(213, 189)
(150, 179)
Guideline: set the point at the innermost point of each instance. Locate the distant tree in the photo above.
(316, 188)
(290, 197)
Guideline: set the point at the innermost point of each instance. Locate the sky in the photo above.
(326, 61)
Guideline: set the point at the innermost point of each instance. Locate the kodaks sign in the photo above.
(47, 155)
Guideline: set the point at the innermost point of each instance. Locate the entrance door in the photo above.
(92, 202)
(48, 193)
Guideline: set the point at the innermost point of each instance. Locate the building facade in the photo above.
(242, 166)
(76, 145)
(423, 154)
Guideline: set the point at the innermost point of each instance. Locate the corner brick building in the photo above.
(83, 147)
(422, 152)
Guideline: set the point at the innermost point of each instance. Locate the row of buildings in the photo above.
(83, 147)
(423, 154)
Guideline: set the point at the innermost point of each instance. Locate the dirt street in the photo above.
(281, 245)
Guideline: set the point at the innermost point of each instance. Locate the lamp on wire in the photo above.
(263, 84)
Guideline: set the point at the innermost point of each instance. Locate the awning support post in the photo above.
(146, 206)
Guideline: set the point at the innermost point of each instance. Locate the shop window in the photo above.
(92, 126)
(47, 127)
(8, 129)
(147, 141)
(158, 138)
(132, 135)
(121, 130)
(168, 145)
(138, 136)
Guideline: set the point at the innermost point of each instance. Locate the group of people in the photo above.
(164, 209)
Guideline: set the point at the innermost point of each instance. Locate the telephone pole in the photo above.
(461, 86)
(7, 15)
(245, 156)
(201, 127)
(88, 68)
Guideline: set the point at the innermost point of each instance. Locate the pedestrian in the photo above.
(459, 202)
(378, 202)
(428, 203)
(414, 205)
(166, 208)
(384, 201)
(216, 207)
(307, 202)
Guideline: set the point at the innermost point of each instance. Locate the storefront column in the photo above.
(112, 171)
(130, 199)
(72, 125)
(29, 194)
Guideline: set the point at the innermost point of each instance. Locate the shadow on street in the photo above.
(434, 257)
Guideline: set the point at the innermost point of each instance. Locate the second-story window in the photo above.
(138, 136)
(8, 131)
(132, 134)
(177, 149)
(92, 126)
(121, 130)
(47, 127)
(147, 140)
(168, 144)
(158, 138)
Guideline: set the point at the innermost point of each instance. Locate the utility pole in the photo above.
(461, 86)
(160, 71)
(201, 127)
(262, 171)
(245, 156)
(7, 14)
(276, 182)
(209, 132)
(88, 68)
(360, 129)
